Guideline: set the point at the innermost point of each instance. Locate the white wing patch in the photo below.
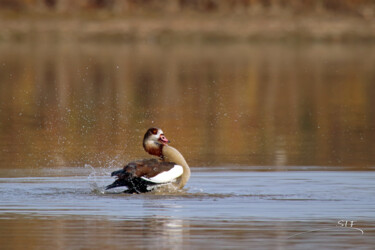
(166, 176)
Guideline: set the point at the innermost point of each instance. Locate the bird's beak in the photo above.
(164, 139)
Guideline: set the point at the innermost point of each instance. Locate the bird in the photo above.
(141, 176)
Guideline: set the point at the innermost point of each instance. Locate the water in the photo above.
(70, 104)
(216, 209)
(280, 139)
(252, 194)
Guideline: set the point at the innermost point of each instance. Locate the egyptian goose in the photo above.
(145, 175)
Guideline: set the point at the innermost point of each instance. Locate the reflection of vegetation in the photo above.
(70, 105)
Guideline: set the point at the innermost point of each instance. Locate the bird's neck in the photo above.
(153, 148)
(171, 154)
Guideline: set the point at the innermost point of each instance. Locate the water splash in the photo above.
(95, 180)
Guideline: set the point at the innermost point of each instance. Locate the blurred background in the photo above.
(237, 82)
(187, 20)
(245, 89)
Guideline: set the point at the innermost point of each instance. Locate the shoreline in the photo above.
(186, 27)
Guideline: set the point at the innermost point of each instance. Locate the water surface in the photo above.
(280, 139)
(216, 209)
(66, 104)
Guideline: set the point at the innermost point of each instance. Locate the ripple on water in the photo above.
(228, 195)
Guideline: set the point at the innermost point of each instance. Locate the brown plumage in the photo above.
(144, 175)
(147, 168)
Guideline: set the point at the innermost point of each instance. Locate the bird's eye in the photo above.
(154, 131)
